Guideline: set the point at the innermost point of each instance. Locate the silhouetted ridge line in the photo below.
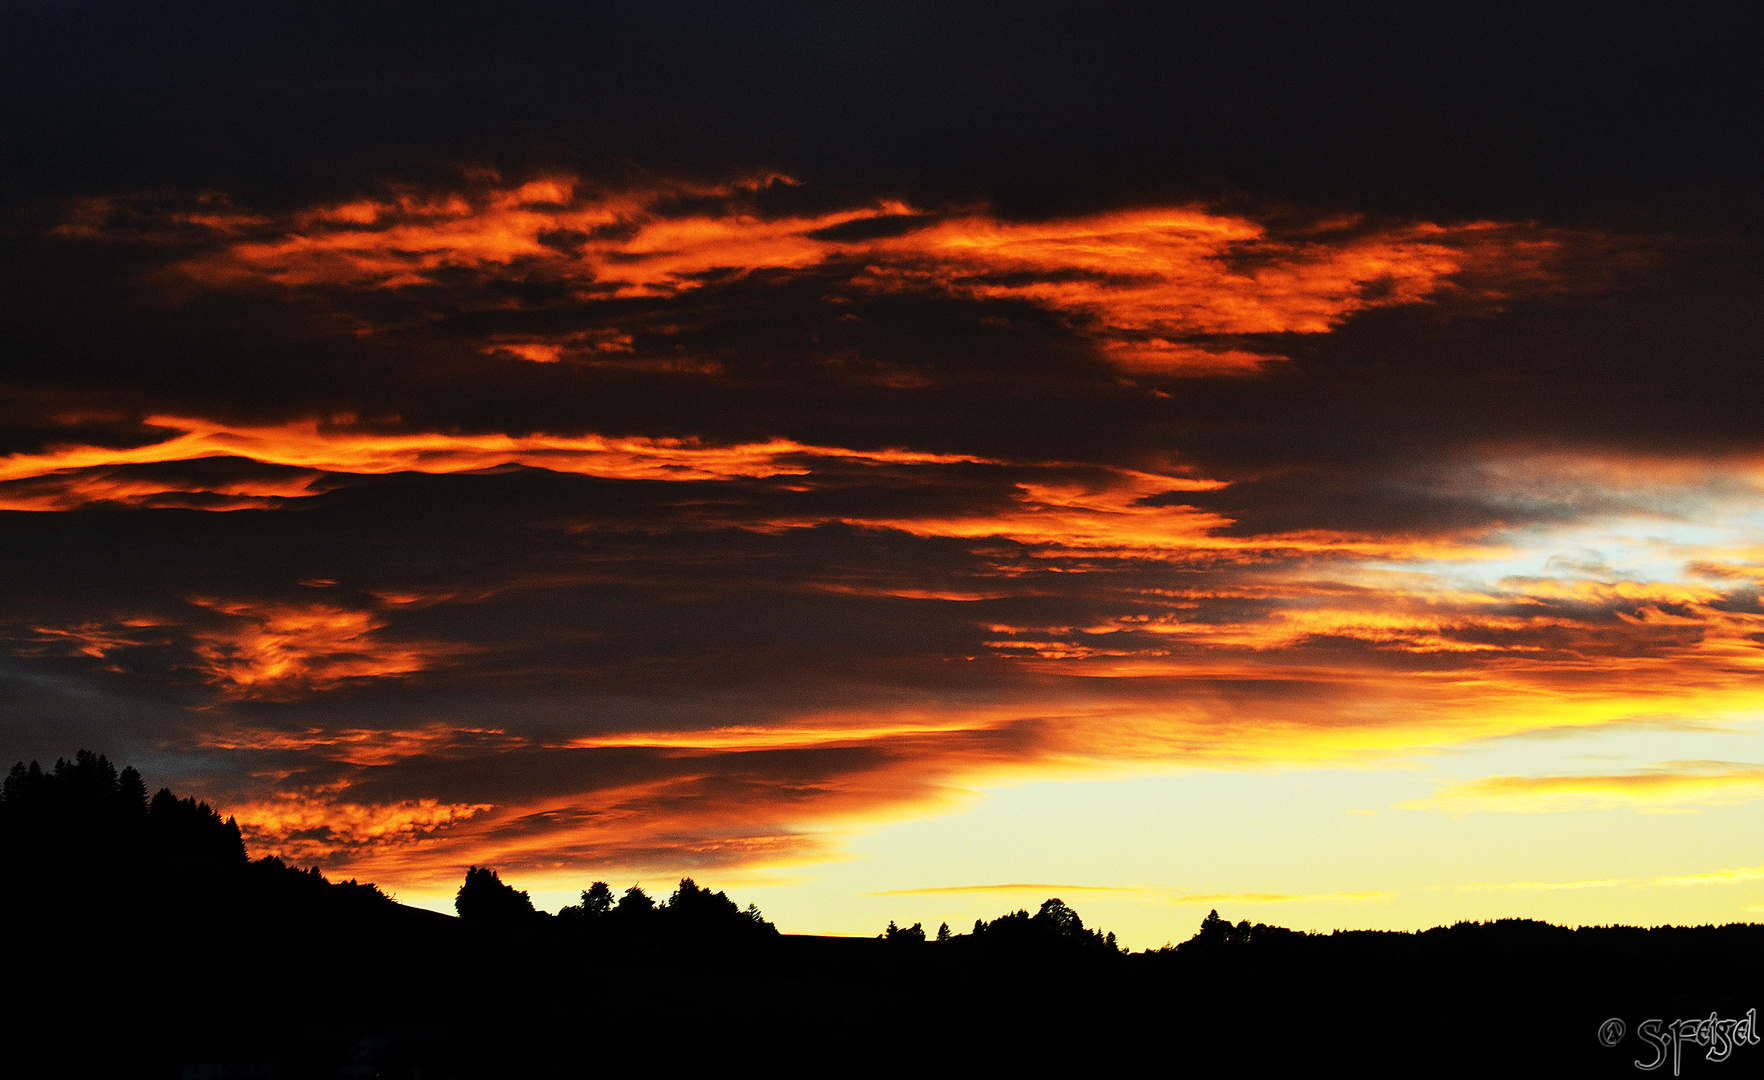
(694, 922)
(299, 976)
(84, 834)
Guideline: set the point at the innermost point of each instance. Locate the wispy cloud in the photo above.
(1728, 876)
(1669, 783)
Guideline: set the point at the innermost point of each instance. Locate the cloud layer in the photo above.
(692, 503)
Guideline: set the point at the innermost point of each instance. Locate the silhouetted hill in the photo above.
(147, 943)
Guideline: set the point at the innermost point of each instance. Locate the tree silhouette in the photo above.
(634, 917)
(1061, 919)
(484, 898)
(1054, 926)
(593, 911)
(132, 791)
(1213, 930)
(1216, 933)
(914, 934)
(191, 836)
(597, 900)
(700, 913)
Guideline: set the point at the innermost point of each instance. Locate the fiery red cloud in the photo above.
(275, 650)
(71, 476)
(1165, 290)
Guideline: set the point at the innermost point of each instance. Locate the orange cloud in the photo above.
(1160, 289)
(71, 488)
(358, 746)
(343, 448)
(643, 802)
(1109, 515)
(272, 651)
(306, 828)
(94, 639)
(279, 651)
(621, 244)
(1104, 514)
(1156, 279)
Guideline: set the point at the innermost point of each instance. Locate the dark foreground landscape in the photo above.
(149, 944)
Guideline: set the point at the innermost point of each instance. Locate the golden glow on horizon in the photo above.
(751, 816)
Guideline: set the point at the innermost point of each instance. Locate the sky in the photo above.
(902, 463)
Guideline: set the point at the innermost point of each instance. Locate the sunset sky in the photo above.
(902, 462)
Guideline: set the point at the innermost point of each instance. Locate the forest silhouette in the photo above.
(149, 943)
